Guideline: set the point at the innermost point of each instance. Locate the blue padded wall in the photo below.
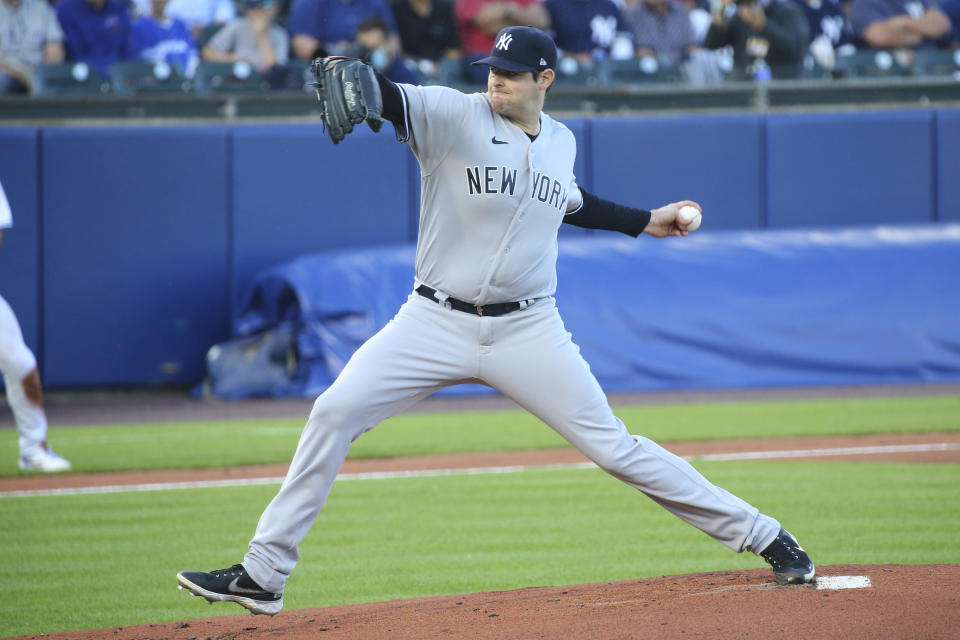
(295, 192)
(712, 159)
(840, 169)
(948, 165)
(20, 252)
(135, 253)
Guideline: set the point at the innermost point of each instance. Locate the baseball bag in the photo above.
(348, 93)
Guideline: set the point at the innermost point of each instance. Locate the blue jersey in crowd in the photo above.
(952, 9)
(98, 38)
(583, 26)
(168, 40)
(826, 17)
(332, 21)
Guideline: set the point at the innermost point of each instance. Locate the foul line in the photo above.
(427, 473)
(838, 451)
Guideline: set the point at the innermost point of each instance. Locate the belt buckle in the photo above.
(479, 310)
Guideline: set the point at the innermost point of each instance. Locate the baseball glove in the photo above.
(348, 93)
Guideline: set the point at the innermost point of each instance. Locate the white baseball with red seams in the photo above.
(689, 218)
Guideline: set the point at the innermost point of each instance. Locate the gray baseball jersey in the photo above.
(492, 200)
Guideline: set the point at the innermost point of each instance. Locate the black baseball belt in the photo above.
(496, 309)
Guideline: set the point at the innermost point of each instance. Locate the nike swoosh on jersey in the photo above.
(233, 587)
(495, 141)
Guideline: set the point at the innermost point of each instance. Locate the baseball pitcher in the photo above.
(496, 182)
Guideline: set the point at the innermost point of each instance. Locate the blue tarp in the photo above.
(713, 310)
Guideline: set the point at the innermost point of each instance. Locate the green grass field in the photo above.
(91, 561)
(191, 445)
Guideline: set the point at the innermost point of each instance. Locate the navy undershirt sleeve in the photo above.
(392, 101)
(597, 213)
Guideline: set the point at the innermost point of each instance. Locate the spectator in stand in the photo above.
(830, 29)
(588, 30)
(769, 37)
(373, 45)
(661, 29)
(699, 11)
(479, 21)
(251, 38)
(898, 24)
(30, 36)
(428, 33)
(951, 8)
(96, 32)
(329, 27)
(203, 17)
(157, 37)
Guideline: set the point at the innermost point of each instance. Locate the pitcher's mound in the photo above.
(849, 601)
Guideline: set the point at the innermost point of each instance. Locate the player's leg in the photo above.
(25, 397)
(538, 365)
(421, 350)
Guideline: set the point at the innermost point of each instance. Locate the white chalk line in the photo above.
(427, 473)
(837, 451)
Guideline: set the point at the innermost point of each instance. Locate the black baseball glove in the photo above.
(348, 93)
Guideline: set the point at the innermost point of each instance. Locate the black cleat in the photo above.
(791, 564)
(231, 585)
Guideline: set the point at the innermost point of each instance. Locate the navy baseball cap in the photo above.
(522, 49)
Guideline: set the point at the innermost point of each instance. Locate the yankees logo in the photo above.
(504, 42)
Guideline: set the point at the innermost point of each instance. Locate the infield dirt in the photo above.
(903, 601)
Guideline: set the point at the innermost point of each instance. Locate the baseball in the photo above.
(689, 218)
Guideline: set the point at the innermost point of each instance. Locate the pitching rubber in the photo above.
(254, 606)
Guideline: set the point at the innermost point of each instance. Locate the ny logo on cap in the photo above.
(504, 41)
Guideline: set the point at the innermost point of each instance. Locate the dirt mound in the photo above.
(902, 601)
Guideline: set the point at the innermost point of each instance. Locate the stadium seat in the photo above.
(645, 69)
(937, 62)
(129, 78)
(69, 78)
(866, 63)
(450, 72)
(206, 34)
(812, 70)
(228, 77)
(570, 73)
(294, 75)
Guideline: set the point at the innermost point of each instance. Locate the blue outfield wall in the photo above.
(134, 246)
(135, 253)
(947, 143)
(850, 168)
(714, 160)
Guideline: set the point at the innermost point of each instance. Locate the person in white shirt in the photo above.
(22, 380)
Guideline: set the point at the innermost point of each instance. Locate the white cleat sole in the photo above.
(254, 606)
(805, 579)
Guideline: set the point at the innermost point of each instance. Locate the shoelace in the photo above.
(236, 569)
(780, 554)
